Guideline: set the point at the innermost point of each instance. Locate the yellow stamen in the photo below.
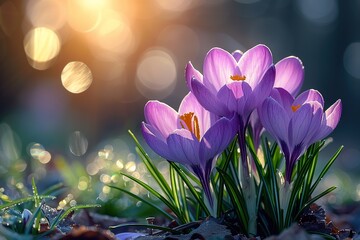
(295, 108)
(237, 78)
(191, 123)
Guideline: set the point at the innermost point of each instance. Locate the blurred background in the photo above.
(76, 74)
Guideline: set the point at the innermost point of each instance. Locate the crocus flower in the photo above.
(289, 76)
(236, 83)
(192, 136)
(297, 123)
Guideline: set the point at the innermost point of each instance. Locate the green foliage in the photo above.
(276, 204)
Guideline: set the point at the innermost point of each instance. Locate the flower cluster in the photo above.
(244, 95)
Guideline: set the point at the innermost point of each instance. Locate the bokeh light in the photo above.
(320, 12)
(156, 74)
(38, 152)
(41, 46)
(352, 59)
(84, 15)
(78, 144)
(46, 13)
(76, 77)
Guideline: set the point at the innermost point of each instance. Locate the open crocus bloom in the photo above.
(237, 83)
(192, 136)
(297, 123)
(233, 83)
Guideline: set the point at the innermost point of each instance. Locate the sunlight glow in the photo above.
(41, 46)
(84, 15)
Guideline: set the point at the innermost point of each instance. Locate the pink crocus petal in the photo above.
(309, 95)
(303, 124)
(237, 55)
(219, 66)
(254, 63)
(217, 138)
(331, 119)
(157, 144)
(261, 91)
(161, 116)
(274, 119)
(183, 147)
(205, 118)
(289, 74)
(191, 72)
(284, 98)
(207, 99)
(234, 96)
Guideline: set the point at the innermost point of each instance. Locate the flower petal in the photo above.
(191, 72)
(284, 98)
(183, 147)
(218, 137)
(156, 143)
(207, 99)
(161, 116)
(274, 119)
(289, 74)
(237, 54)
(261, 91)
(309, 96)
(304, 123)
(330, 120)
(205, 118)
(234, 96)
(254, 63)
(219, 66)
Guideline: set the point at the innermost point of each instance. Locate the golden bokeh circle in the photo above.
(76, 77)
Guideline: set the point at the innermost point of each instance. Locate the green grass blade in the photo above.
(325, 169)
(158, 177)
(237, 199)
(36, 203)
(183, 199)
(68, 211)
(30, 223)
(166, 214)
(314, 199)
(22, 200)
(174, 187)
(169, 204)
(191, 188)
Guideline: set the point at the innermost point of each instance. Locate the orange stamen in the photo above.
(238, 78)
(191, 123)
(295, 108)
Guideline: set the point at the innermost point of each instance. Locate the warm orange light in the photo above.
(41, 46)
(84, 15)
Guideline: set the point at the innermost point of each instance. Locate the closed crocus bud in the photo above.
(26, 215)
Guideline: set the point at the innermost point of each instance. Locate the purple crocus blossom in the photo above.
(237, 83)
(192, 136)
(289, 76)
(297, 123)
